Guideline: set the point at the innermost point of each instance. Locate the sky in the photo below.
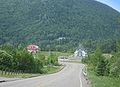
(112, 3)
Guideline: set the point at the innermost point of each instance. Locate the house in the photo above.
(61, 38)
(80, 53)
(32, 48)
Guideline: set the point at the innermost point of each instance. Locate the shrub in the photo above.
(101, 68)
(5, 60)
(115, 69)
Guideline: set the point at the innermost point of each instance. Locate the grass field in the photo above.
(103, 81)
(57, 53)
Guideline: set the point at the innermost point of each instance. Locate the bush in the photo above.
(38, 65)
(25, 60)
(115, 69)
(53, 59)
(101, 68)
(20, 60)
(5, 60)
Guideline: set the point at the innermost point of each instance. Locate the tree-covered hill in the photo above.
(58, 24)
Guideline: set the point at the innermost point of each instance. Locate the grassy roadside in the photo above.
(20, 75)
(52, 69)
(46, 70)
(102, 81)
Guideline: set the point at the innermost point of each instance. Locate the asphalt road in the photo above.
(70, 76)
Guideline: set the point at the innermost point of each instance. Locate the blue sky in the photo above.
(112, 3)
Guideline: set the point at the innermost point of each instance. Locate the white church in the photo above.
(80, 54)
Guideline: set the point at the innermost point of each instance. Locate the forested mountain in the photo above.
(57, 24)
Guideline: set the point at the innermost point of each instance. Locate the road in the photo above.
(70, 76)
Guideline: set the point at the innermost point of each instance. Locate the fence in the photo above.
(14, 73)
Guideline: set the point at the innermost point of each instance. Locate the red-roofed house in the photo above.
(33, 48)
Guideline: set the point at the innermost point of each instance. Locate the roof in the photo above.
(32, 47)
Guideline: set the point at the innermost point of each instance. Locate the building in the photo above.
(32, 48)
(80, 53)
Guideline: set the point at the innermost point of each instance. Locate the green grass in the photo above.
(18, 75)
(57, 53)
(103, 81)
(45, 70)
(63, 54)
(52, 69)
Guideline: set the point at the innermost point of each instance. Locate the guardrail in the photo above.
(84, 71)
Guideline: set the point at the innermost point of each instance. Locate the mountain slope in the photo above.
(44, 22)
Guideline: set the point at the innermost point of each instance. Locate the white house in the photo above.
(80, 53)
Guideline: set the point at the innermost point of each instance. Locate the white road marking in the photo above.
(80, 80)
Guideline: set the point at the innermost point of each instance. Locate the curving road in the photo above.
(70, 76)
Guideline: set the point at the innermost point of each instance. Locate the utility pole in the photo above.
(48, 46)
